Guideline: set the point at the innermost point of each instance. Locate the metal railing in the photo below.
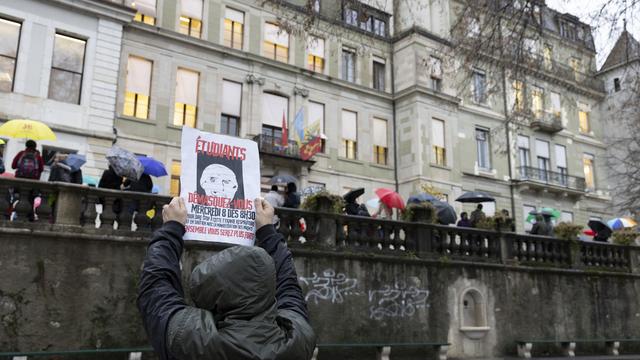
(529, 173)
(274, 145)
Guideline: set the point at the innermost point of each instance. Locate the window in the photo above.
(348, 146)
(138, 88)
(530, 46)
(556, 109)
(537, 101)
(276, 43)
(479, 87)
(350, 16)
(589, 177)
(231, 105)
(367, 25)
(186, 108)
(316, 6)
(176, 170)
(566, 216)
(315, 59)
(146, 10)
(233, 28)
(48, 153)
(348, 65)
(439, 156)
(380, 141)
(526, 210)
(616, 84)
(379, 27)
(547, 57)
(275, 110)
(561, 164)
(65, 83)
(542, 152)
(583, 118)
(379, 73)
(518, 90)
(524, 153)
(435, 66)
(482, 144)
(9, 39)
(473, 27)
(316, 120)
(568, 30)
(576, 65)
(191, 18)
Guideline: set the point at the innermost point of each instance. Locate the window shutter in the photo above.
(273, 34)
(555, 101)
(231, 98)
(187, 87)
(561, 156)
(380, 132)
(542, 148)
(523, 142)
(139, 75)
(316, 113)
(437, 132)
(234, 15)
(349, 125)
(316, 46)
(274, 106)
(192, 9)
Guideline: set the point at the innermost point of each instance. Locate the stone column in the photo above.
(69, 205)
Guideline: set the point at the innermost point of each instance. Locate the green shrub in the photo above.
(625, 236)
(324, 201)
(421, 212)
(488, 223)
(567, 231)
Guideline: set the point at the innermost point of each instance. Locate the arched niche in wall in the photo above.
(473, 314)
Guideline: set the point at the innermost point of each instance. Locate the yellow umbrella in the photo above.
(27, 129)
(2, 142)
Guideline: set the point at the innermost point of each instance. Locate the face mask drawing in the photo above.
(218, 180)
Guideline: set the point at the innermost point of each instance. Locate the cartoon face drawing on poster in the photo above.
(218, 180)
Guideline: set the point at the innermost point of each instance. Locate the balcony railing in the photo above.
(529, 173)
(273, 145)
(89, 212)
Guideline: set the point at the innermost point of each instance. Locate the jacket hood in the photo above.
(238, 282)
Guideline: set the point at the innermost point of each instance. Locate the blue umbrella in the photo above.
(75, 161)
(88, 180)
(152, 166)
(422, 197)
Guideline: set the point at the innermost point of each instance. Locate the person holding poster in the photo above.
(220, 178)
(248, 303)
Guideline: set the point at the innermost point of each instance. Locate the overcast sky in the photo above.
(606, 29)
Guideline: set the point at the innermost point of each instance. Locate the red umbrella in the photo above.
(390, 198)
(6, 174)
(589, 232)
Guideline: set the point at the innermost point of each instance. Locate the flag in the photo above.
(298, 127)
(285, 133)
(311, 148)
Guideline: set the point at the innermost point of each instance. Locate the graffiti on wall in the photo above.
(397, 301)
(330, 286)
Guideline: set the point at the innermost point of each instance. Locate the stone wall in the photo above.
(65, 289)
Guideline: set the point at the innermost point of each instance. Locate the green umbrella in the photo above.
(554, 213)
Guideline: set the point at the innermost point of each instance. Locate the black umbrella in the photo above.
(602, 230)
(416, 199)
(446, 213)
(282, 179)
(475, 197)
(352, 195)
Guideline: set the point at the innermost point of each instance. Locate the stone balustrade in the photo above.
(110, 211)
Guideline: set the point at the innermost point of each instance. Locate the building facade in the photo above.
(378, 83)
(59, 63)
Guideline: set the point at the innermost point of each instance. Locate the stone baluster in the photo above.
(339, 232)
(110, 208)
(68, 205)
(89, 214)
(311, 233)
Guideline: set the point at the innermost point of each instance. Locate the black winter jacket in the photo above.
(248, 301)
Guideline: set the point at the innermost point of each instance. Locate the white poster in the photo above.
(219, 182)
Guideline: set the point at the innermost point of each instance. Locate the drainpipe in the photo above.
(395, 135)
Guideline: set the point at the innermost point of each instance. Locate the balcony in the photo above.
(547, 122)
(551, 180)
(272, 145)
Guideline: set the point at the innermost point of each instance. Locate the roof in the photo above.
(626, 49)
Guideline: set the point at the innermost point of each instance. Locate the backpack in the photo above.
(28, 166)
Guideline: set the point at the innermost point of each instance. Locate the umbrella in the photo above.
(88, 180)
(124, 163)
(373, 205)
(2, 142)
(27, 129)
(602, 230)
(446, 213)
(621, 223)
(352, 195)
(155, 190)
(390, 198)
(475, 197)
(75, 161)
(152, 166)
(545, 211)
(7, 174)
(422, 197)
(282, 179)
